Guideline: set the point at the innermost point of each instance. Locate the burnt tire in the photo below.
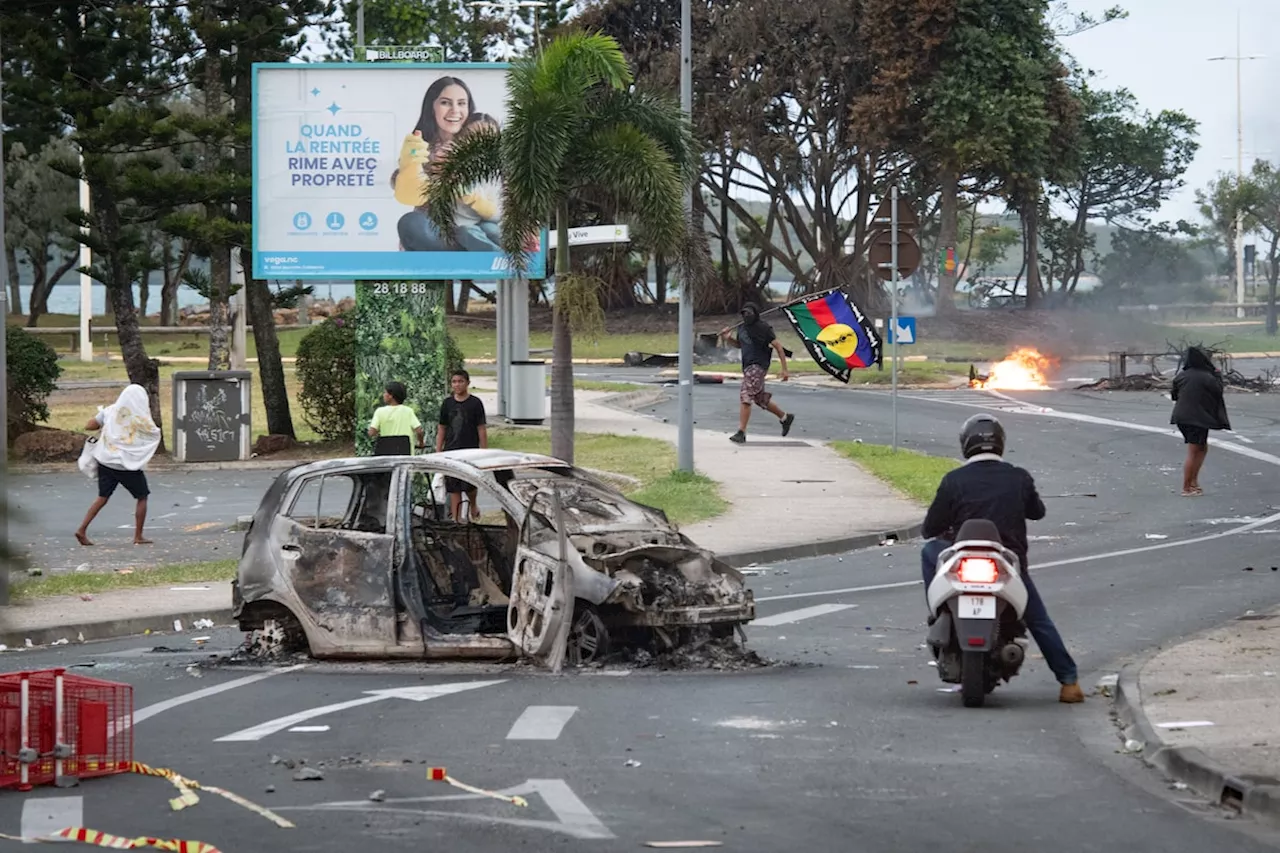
(589, 640)
(973, 678)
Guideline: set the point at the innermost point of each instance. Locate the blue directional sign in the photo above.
(905, 333)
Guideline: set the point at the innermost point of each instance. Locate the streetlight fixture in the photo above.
(1239, 241)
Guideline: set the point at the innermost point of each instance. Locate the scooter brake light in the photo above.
(977, 570)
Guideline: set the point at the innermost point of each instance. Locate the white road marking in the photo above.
(414, 694)
(541, 722)
(845, 591)
(573, 817)
(1071, 561)
(160, 707)
(43, 816)
(309, 729)
(1023, 408)
(790, 616)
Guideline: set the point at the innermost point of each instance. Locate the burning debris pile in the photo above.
(1025, 369)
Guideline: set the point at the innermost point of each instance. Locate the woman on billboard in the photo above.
(448, 113)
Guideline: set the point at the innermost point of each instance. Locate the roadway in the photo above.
(846, 741)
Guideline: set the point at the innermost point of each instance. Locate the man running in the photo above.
(758, 343)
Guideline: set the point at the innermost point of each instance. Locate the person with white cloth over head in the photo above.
(129, 438)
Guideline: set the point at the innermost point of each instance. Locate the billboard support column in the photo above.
(519, 319)
(504, 351)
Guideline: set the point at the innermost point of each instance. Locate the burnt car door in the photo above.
(540, 608)
(337, 544)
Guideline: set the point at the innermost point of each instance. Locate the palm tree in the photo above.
(577, 135)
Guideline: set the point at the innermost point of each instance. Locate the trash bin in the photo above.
(211, 410)
(527, 402)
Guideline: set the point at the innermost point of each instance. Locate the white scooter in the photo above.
(977, 600)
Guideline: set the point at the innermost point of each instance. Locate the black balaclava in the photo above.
(1198, 359)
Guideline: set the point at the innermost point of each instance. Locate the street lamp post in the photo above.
(1239, 237)
(4, 369)
(684, 445)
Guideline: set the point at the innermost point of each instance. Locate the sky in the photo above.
(1161, 54)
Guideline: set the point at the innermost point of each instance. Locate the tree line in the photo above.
(816, 107)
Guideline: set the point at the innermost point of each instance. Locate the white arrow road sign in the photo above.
(905, 334)
(413, 694)
(573, 817)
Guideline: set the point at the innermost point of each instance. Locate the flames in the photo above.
(1025, 369)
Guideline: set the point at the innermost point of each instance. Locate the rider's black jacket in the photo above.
(986, 487)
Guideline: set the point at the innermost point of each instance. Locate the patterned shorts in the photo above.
(753, 386)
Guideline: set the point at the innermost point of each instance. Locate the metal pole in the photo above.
(4, 370)
(893, 301)
(1239, 179)
(684, 447)
(359, 30)
(86, 258)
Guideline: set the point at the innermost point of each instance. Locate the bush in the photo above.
(327, 374)
(326, 368)
(33, 373)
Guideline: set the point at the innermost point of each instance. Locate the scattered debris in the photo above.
(377, 796)
(683, 844)
(631, 762)
(86, 597)
(270, 789)
(34, 572)
(1133, 747)
(287, 762)
(701, 651)
(202, 624)
(1168, 692)
(308, 774)
(177, 626)
(62, 642)
(1190, 724)
(1179, 786)
(1156, 536)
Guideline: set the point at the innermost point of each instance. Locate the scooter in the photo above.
(976, 603)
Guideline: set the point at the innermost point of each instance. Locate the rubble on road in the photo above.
(702, 651)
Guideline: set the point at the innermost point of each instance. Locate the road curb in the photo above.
(1251, 797)
(34, 469)
(631, 400)
(112, 629)
(821, 548)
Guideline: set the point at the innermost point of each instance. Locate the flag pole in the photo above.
(893, 329)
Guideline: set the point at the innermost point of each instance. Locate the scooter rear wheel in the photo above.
(973, 678)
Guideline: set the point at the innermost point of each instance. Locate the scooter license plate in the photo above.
(977, 607)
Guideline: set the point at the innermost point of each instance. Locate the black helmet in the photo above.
(981, 434)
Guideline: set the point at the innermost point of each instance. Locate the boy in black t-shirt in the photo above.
(462, 426)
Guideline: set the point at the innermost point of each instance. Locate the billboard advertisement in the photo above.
(342, 153)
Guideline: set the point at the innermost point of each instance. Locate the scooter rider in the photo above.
(988, 487)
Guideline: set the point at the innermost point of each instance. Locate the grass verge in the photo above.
(684, 497)
(92, 582)
(914, 474)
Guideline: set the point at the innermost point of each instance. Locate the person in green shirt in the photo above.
(395, 418)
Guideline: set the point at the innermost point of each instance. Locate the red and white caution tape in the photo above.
(439, 774)
(118, 842)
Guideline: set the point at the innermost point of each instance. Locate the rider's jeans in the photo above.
(1036, 616)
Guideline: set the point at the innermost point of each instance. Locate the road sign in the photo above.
(594, 234)
(905, 333)
(907, 219)
(880, 254)
(403, 53)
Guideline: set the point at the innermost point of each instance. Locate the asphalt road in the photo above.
(849, 737)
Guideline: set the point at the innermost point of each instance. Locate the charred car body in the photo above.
(356, 558)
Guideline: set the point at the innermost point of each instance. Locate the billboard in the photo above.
(341, 160)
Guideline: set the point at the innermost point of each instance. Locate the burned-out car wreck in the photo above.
(356, 558)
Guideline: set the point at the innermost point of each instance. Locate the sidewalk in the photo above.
(789, 498)
(1222, 690)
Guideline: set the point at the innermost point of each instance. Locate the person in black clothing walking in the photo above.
(1198, 406)
(758, 343)
(986, 486)
(462, 426)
